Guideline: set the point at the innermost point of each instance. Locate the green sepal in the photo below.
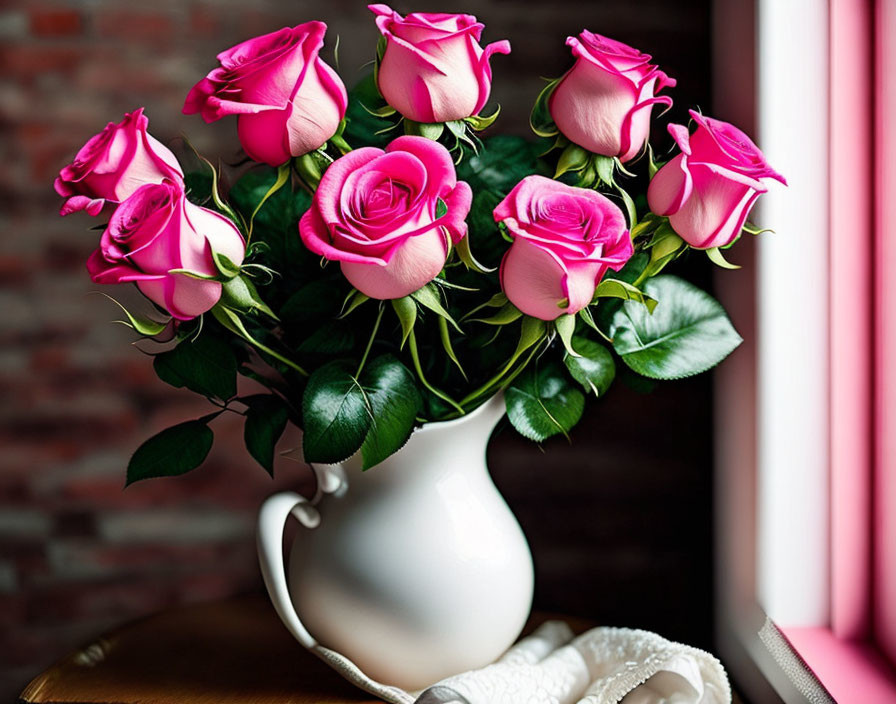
(499, 300)
(593, 367)
(505, 315)
(445, 336)
(428, 297)
(230, 319)
(605, 167)
(223, 264)
(352, 301)
(240, 294)
(382, 112)
(466, 256)
(144, 326)
(752, 229)
(716, 257)
(430, 130)
(481, 122)
(540, 119)
(574, 158)
(308, 167)
(566, 327)
(614, 288)
(406, 310)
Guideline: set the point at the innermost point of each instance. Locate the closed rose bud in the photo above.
(604, 101)
(156, 230)
(378, 214)
(707, 191)
(115, 163)
(288, 100)
(434, 69)
(564, 240)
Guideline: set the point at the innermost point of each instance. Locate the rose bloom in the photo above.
(434, 69)
(156, 230)
(564, 240)
(604, 101)
(288, 100)
(707, 191)
(377, 213)
(113, 164)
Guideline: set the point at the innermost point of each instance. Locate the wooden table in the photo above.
(226, 652)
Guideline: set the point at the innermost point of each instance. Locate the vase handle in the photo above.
(272, 517)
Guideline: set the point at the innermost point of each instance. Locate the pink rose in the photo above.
(289, 101)
(156, 230)
(387, 216)
(603, 103)
(434, 69)
(707, 190)
(113, 164)
(564, 240)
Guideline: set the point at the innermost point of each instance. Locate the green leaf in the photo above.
(207, 365)
(266, 418)
(593, 368)
(335, 414)
(573, 158)
(687, 334)
(566, 326)
(406, 310)
(428, 297)
(542, 402)
(614, 288)
(332, 337)
(174, 451)
(316, 300)
(716, 257)
(394, 402)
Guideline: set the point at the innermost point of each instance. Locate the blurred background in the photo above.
(619, 519)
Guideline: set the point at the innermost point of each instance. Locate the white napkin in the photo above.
(552, 666)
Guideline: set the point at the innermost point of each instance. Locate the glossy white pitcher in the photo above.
(415, 569)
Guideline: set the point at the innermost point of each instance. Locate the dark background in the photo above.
(619, 519)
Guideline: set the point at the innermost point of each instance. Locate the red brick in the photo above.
(150, 27)
(55, 22)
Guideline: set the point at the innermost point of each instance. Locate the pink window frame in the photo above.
(844, 647)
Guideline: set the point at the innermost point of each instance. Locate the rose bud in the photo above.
(378, 214)
(434, 69)
(564, 240)
(604, 101)
(156, 230)
(288, 100)
(113, 164)
(707, 190)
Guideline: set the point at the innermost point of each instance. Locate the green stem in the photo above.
(472, 396)
(376, 327)
(415, 356)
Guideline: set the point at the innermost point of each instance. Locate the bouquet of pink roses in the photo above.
(383, 266)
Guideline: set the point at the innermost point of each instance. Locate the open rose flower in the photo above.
(113, 164)
(156, 230)
(434, 69)
(564, 240)
(604, 101)
(288, 100)
(707, 191)
(388, 216)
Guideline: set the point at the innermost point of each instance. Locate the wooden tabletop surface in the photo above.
(227, 652)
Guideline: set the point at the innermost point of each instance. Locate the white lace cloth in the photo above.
(552, 666)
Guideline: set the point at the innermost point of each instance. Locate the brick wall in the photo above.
(77, 553)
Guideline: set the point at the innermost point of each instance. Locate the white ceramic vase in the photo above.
(415, 569)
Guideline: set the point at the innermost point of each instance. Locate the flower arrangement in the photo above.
(383, 266)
